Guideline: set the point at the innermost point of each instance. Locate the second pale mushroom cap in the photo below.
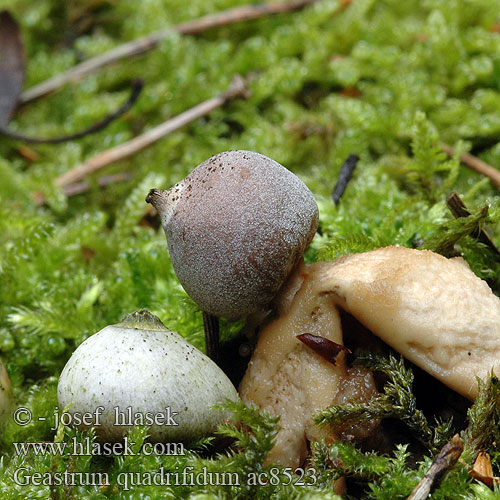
(433, 310)
(236, 226)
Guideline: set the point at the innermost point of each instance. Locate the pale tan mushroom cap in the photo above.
(435, 311)
(287, 379)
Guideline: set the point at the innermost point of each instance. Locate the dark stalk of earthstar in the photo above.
(236, 226)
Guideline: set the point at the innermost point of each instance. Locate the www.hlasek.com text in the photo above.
(89, 447)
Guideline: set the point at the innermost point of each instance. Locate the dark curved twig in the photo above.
(237, 88)
(137, 86)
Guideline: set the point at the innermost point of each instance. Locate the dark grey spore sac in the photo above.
(236, 226)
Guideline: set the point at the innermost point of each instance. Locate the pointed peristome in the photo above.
(154, 197)
(165, 201)
(142, 319)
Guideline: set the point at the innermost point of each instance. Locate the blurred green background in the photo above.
(384, 79)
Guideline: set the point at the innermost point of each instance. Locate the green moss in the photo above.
(397, 401)
(420, 72)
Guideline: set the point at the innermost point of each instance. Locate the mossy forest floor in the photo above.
(384, 79)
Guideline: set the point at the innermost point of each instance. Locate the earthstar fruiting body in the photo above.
(236, 226)
(141, 365)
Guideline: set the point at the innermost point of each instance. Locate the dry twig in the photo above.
(475, 164)
(212, 343)
(237, 88)
(84, 186)
(446, 458)
(149, 42)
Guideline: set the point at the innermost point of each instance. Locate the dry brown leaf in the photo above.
(11, 66)
(483, 471)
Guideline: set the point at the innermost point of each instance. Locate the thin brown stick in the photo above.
(83, 187)
(237, 14)
(149, 42)
(476, 164)
(237, 88)
(445, 459)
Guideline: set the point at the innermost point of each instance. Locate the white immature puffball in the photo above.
(141, 365)
(236, 226)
